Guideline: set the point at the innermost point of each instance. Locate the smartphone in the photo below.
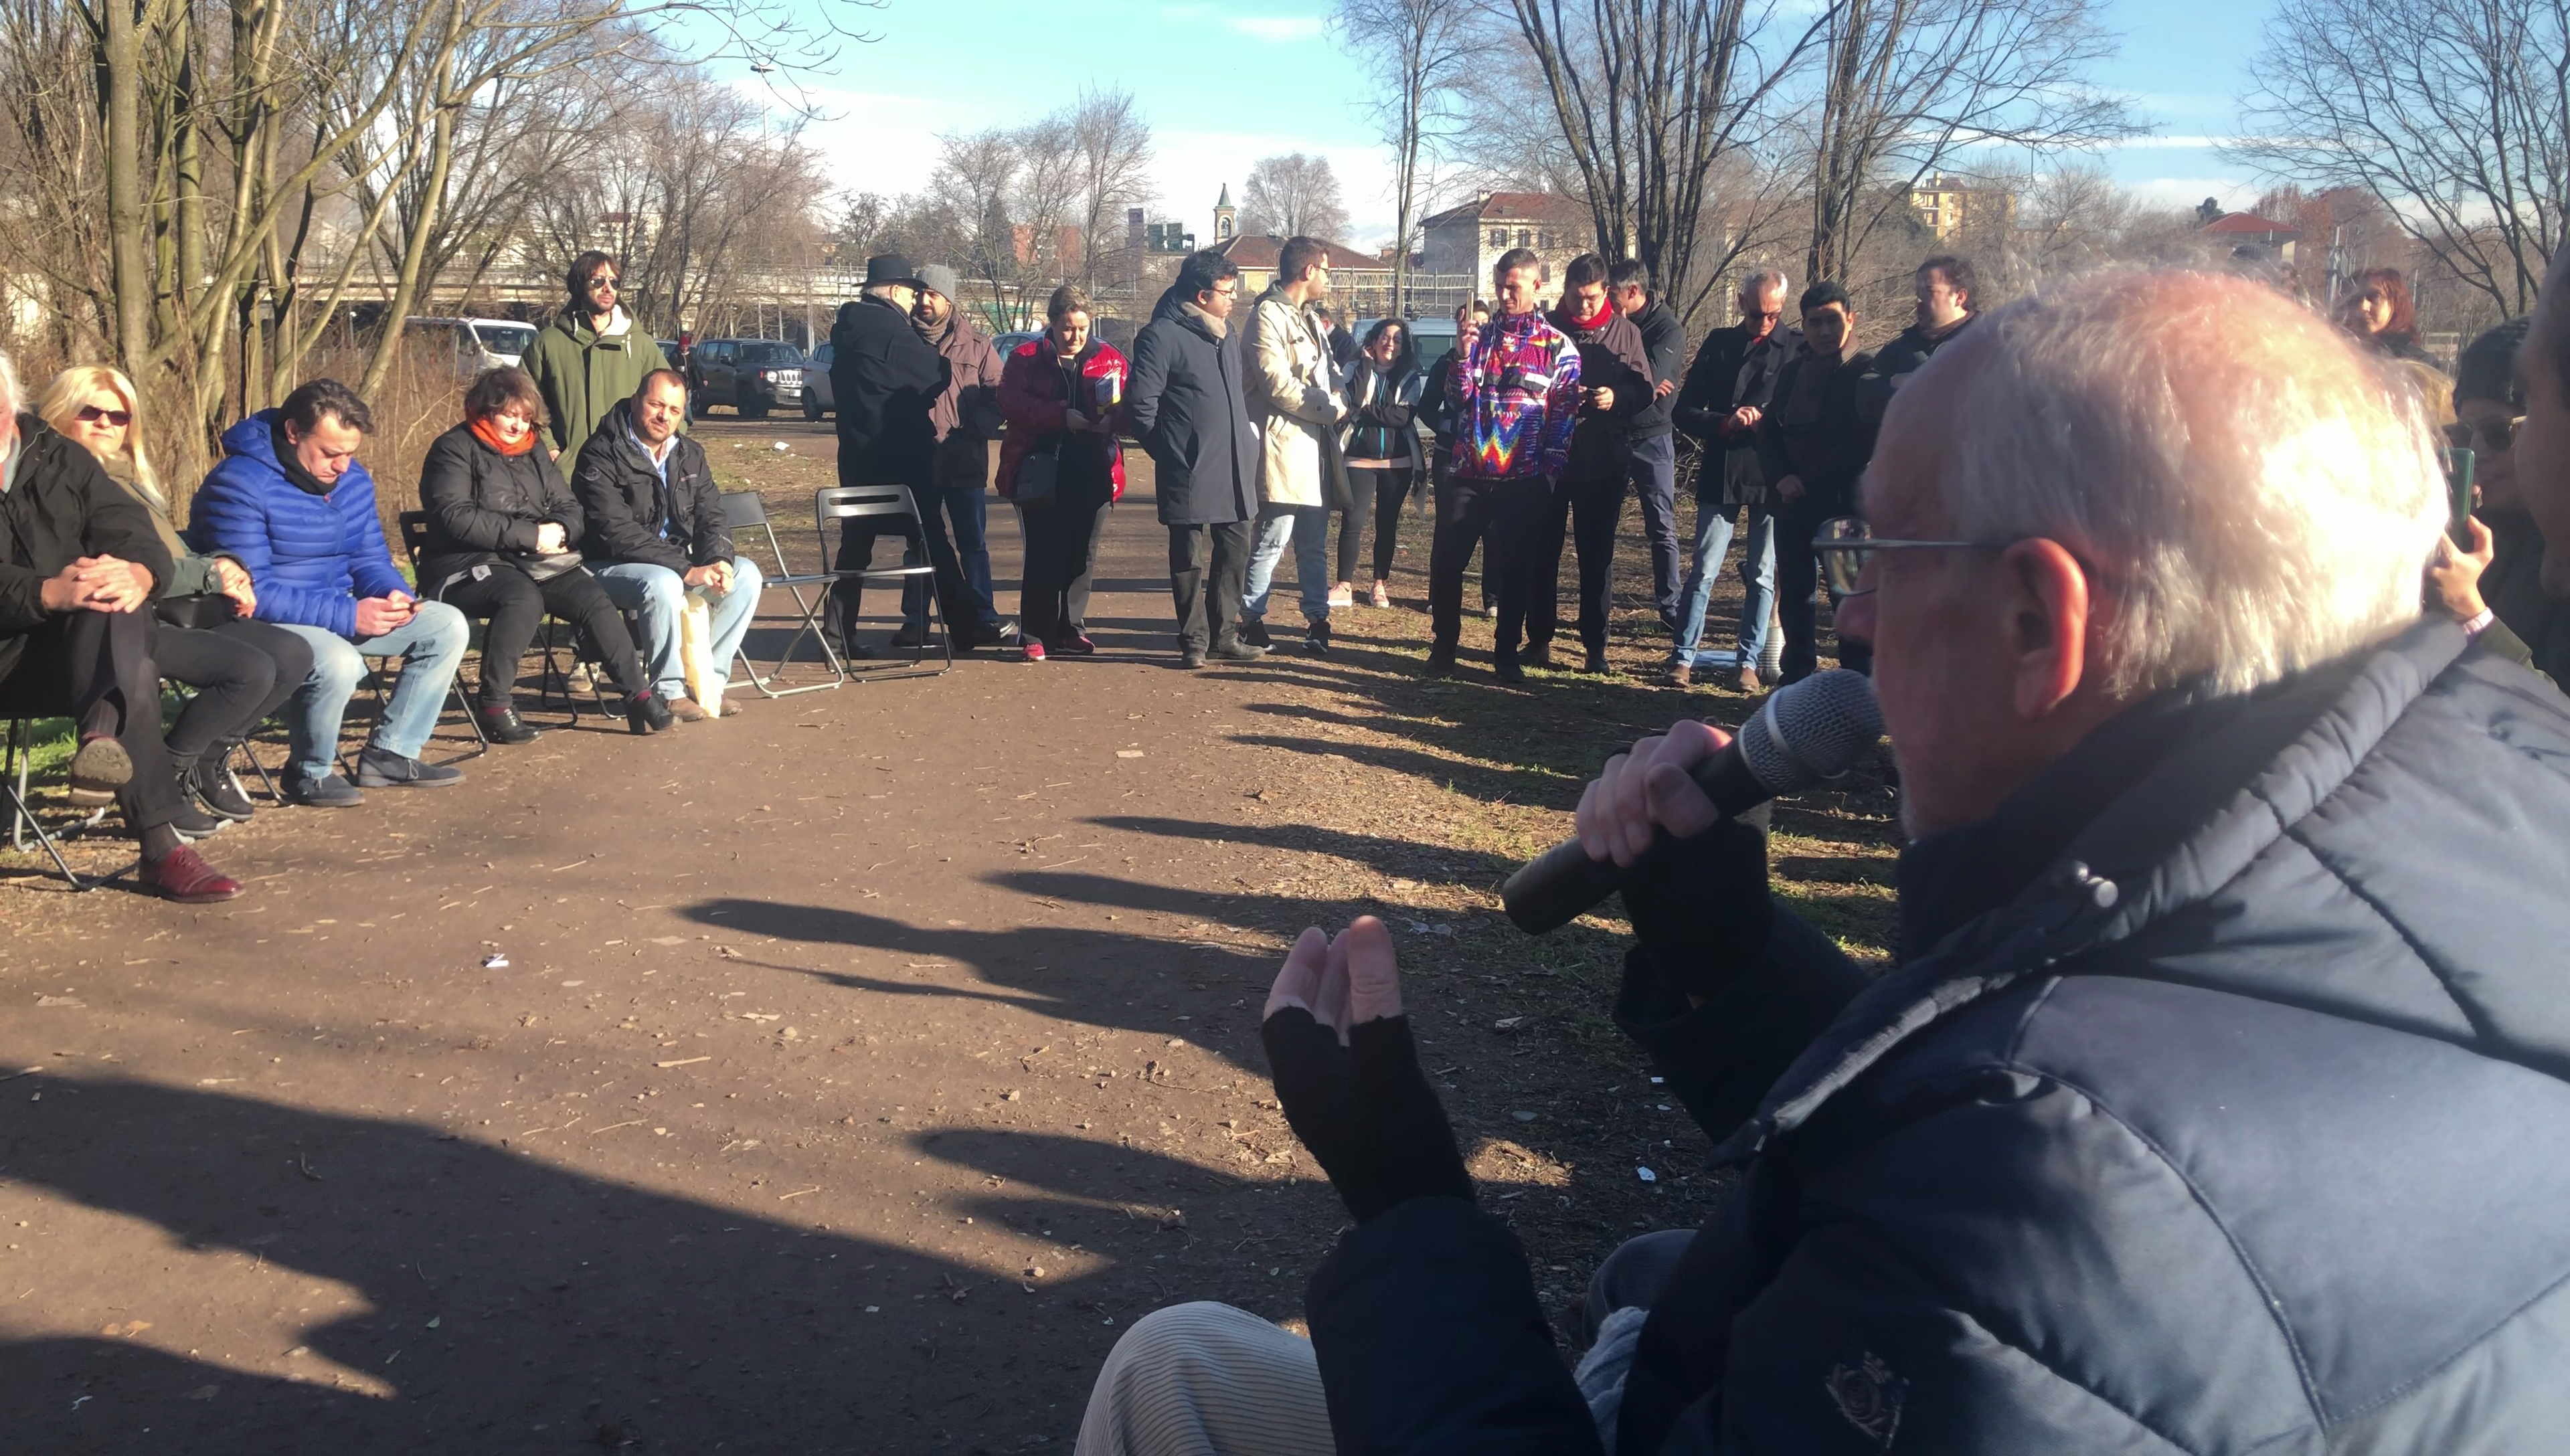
(2458, 496)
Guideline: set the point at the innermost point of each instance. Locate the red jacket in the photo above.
(1031, 401)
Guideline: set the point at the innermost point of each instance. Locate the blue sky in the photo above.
(1225, 84)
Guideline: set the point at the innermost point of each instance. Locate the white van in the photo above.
(476, 344)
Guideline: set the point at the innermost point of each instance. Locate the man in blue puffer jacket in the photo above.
(291, 504)
(2215, 1101)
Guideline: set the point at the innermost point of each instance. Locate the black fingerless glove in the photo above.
(1365, 1110)
(1700, 907)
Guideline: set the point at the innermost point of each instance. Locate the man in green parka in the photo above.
(590, 359)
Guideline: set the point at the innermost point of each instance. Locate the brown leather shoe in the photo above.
(1748, 681)
(1681, 674)
(687, 710)
(184, 876)
(730, 708)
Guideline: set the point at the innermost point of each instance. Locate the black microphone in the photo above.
(1809, 733)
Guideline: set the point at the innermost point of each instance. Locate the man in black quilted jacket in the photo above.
(2215, 1101)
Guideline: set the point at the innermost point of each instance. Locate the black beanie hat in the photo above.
(2487, 368)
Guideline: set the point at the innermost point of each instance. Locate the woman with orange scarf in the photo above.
(501, 521)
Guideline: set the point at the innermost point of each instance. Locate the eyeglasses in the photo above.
(2498, 435)
(1847, 544)
(92, 414)
(602, 281)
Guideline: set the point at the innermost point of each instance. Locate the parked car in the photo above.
(474, 344)
(753, 376)
(1432, 336)
(1016, 339)
(817, 399)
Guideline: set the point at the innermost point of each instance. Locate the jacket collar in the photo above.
(2148, 831)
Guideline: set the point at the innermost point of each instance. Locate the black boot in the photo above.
(500, 723)
(208, 783)
(645, 713)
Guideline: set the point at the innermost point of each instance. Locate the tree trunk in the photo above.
(441, 157)
(119, 57)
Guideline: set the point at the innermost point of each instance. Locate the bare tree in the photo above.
(1417, 51)
(1292, 195)
(1908, 85)
(977, 176)
(1652, 97)
(1113, 147)
(2455, 119)
(1047, 198)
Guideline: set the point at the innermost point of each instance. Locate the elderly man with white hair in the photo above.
(2214, 1100)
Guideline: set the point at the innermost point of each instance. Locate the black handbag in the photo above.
(203, 611)
(1040, 476)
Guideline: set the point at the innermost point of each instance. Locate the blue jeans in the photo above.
(1309, 525)
(1713, 527)
(430, 646)
(968, 514)
(656, 596)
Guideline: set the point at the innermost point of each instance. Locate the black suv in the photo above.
(753, 376)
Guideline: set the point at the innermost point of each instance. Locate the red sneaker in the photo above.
(1033, 651)
(184, 876)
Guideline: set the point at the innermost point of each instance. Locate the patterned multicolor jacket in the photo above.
(1516, 399)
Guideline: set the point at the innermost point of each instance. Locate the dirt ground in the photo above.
(844, 1075)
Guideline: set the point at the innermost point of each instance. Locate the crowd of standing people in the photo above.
(570, 490)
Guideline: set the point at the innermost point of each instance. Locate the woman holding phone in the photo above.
(1061, 464)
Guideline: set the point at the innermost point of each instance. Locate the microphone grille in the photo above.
(1813, 731)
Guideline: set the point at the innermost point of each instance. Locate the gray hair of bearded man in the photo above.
(2254, 495)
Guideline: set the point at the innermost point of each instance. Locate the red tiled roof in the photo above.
(1516, 208)
(2250, 222)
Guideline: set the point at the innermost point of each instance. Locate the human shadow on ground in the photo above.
(502, 1303)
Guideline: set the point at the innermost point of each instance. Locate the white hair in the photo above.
(10, 401)
(2255, 495)
(1762, 279)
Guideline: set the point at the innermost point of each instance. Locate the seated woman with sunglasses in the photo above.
(243, 670)
(501, 523)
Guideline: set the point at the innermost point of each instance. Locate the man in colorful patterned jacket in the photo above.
(1514, 398)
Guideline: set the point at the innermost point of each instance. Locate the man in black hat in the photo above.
(887, 381)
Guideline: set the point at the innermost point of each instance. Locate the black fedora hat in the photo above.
(891, 267)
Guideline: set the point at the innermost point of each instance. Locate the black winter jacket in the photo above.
(484, 506)
(1664, 343)
(886, 381)
(1827, 453)
(61, 507)
(1897, 361)
(1187, 407)
(628, 509)
(2218, 1105)
(1437, 404)
(1611, 356)
(1731, 372)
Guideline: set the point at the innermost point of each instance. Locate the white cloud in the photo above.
(1278, 29)
(2185, 191)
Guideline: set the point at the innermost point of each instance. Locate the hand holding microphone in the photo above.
(1682, 783)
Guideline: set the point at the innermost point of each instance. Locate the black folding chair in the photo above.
(747, 510)
(890, 503)
(414, 534)
(19, 757)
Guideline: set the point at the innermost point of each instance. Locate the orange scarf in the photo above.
(483, 432)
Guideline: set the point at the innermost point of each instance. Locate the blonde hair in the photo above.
(72, 388)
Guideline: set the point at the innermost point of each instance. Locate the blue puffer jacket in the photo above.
(2221, 1104)
(311, 557)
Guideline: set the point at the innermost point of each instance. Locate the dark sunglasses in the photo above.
(92, 414)
(2498, 435)
(602, 282)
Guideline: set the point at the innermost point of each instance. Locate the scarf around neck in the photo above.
(483, 432)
